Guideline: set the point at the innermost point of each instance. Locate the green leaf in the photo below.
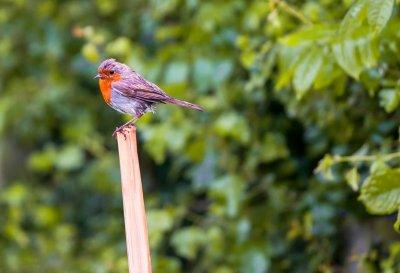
(69, 158)
(120, 47)
(43, 161)
(254, 261)
(46, 216)
(160, 221)
(248, 58)
(229, 189)
(273, 147)
(90, 52)
(328, 74)
(378, 166)
(166, 264)
(306, 71)
(316, 33)
(354, 17)
(325, 167)
(379, 12)
(356, 53)
(164, 33)
(368, 50)
(389, 99)
(381, 192)
(233, 125)
(353, 178)
(345, 56)
(155, 143)
(188, 241)
(287, 60)
(356, 48)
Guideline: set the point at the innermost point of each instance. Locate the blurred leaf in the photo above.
(89, 51)
(356, 47)
(355, 54)
(69, 158)
(306, 71)
(106, 6)
(15, 195)
(353, 178)
(328, 74)
(248, 58)
(389, 99)
(379, 12)
(167, 264)
(378, 165)
(230, 190)
(188, 241)
(177, 72)
(163, 7)
(15, 233)
(154, 143)
(46, 216)
(120, 47)
(381, 192)
(232, 125)
(325, 167)
(168, 32)
(254, 261)
(273, 147)
(354, 17)
(287, 60)
(309, 35)
(159, 221)
(224, 269)
(43, 161)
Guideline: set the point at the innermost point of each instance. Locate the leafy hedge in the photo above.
(286, 84)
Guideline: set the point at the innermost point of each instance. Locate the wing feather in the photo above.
(136, 87)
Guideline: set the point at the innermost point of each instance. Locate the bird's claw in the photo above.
(121, 130)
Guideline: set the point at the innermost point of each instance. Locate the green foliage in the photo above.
(381, 191)
(285, 85)
(353, 179)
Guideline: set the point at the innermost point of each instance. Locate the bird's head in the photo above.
(110, 70)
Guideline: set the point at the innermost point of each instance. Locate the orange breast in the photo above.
(105, 88)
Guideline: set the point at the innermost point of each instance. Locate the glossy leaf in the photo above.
(306, 71)
(379, 12)
(381, 192)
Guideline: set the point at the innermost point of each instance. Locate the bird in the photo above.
(128, 92)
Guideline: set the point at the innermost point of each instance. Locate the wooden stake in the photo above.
(137, 243)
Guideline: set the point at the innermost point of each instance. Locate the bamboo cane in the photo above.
(137, 243)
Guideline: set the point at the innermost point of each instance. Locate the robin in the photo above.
(128, 92)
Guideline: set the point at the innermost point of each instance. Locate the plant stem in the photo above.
(365, 158)
(292, 11)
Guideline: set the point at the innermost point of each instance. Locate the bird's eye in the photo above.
(111, 72)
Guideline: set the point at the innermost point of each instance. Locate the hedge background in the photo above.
(234, 189)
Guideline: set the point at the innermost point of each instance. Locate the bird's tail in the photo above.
(185, 104)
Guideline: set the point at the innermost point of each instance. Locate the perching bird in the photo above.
(129, 93)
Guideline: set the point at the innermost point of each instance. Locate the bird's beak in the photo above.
(97, 76)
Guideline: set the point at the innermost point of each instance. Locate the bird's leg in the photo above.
(121, 128)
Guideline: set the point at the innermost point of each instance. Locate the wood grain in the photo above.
(136, 233)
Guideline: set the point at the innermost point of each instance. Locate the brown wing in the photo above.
(136, 87)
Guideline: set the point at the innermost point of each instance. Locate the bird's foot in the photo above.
(121, 129)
